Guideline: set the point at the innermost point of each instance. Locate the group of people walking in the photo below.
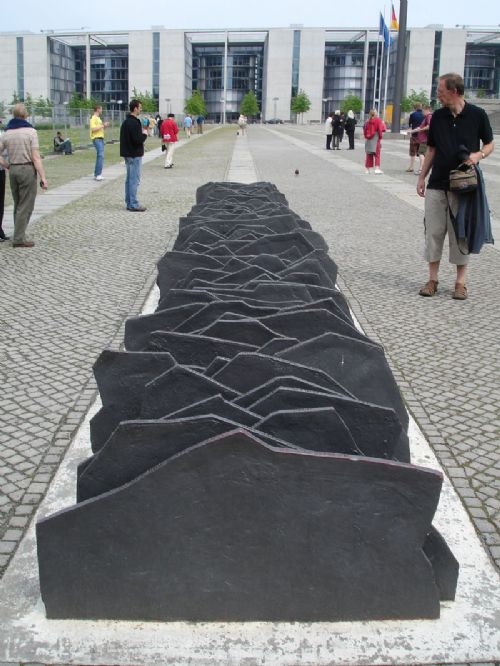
(336, 125)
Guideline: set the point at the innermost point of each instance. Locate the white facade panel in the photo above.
(278, 76)
(453, 52)
(36, 66)
(312, 70)
(172, 71)
(420, 60)
(140, 61)
(8, 79)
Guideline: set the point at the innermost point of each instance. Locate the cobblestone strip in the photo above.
(67, 299)
(445, 358)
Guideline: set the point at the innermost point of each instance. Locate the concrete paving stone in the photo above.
(12, 535)
(7, 547)
(19, 521)
(23, 510)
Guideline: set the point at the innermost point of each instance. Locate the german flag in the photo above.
(394, 20)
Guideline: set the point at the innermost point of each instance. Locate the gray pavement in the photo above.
(94, 264)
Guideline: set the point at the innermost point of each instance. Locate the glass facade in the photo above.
(295, 63)
(20, 67)
(482, 70)
(62, 71)
(435, 66)
(343, 73)
(244, 73)
(108, 73)
(156, 66)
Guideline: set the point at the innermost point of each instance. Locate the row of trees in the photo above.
(196, 106)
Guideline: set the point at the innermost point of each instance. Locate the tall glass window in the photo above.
(482, 70)
(343, 74)
(435, 66)
(20, 67)
(156, 65)
(295, 62)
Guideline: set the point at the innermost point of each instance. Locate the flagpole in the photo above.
(381, 72)
(387, 75)
(376, 71)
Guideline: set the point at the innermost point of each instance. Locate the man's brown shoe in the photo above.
(429, 288)
(24, 244)
(460, 293)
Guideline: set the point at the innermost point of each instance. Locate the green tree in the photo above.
(15, 98)
(195, 105)
(301, 103)
(412, 98)
(43, 106)
(351, 103)
(149, 103)
(249, 105)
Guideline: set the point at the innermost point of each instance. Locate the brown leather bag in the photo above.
(463, 179)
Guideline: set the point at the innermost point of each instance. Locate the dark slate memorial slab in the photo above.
(251, 460)
(366, 521)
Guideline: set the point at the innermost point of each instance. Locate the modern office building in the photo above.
(327, 63)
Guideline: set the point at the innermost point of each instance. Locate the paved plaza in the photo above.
(94, 265)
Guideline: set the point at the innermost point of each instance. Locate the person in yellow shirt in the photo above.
(97, 128)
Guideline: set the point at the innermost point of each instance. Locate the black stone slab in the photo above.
(306, 324)
(242, 276)
(197, 350)
(175, 298)
(277, 244)
(121, 378)
(313, 265)
(137, 446)
(175, 265)
(305, 278)
(444, 564)
(212, 311)
(336, 304)
(209, 274)
(217, 406)
(197, 235)
(235, 264)
(215, 366)
(319, 429)
(376, 430)
(267, 291)
(352, 530)
(137, 329)
(359, 366)
(178, 388)
(250, 331)
(280, 381)
(276, 345)
(249, 370)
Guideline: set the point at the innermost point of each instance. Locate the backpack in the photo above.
(369, 130)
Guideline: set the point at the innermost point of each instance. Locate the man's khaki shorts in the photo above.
(437, 224)
(422, 149)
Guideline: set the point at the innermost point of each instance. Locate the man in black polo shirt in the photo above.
(455, 126)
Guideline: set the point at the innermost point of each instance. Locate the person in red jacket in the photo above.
(169, 131)
(372, 130)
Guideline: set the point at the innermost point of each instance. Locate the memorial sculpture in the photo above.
(251, 458)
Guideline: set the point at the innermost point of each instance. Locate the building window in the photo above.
(156, 65)
(295, 62)
(20, 67)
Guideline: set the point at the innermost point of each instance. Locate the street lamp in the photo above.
(65, 104)
(119, 102)
(112, 102)
(325, 102)
(275, 100)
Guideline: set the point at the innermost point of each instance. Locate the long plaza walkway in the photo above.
(94, 265)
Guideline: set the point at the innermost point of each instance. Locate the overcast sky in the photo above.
(196, 14)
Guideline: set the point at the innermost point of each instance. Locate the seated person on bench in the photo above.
(62, 145)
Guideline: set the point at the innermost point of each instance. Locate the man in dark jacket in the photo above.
(132, 138)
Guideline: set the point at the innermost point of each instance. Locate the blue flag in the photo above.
(384, 30)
